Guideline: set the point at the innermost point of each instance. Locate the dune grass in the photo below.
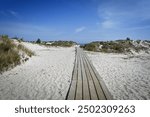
(9, 53)
(9, 56)
(26, 50)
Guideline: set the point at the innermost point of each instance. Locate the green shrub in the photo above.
(90, 47)
(118, 48)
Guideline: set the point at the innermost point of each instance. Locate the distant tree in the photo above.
(38, 41)
(21, 39)
(128, 39)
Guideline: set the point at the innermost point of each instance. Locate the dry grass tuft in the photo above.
(26, 50)
(9, 56)
(9, 53)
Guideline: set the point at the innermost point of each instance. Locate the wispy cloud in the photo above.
(13, 13)
(9, 13)
(123, 18)
(123, 15)
(80, 29)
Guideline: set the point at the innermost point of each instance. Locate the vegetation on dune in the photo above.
(9, 56)
(26, 50)
(56, 43)
(9, 53)
(90, 46)
(18, 39)
(63, 43)
(118, 46)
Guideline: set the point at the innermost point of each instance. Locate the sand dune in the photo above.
(44, 76)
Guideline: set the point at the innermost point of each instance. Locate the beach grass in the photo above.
(9, 53)
(9, 56)
(26, 50)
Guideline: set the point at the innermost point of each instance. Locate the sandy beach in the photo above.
(47, 75)
(126, 76)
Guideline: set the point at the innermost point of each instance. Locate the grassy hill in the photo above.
(118, 46)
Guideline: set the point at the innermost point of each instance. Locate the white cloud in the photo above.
(80, 29)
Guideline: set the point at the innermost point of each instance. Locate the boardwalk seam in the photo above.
(92, 77)
(72, 75)
(87, 81)
(98, 80)
(82, 78)
(77, 78)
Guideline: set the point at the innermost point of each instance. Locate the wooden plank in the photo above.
(72, 90)
(86, 82)
(75, 69)
(79, 81)
(86, 93)
(104, 88)
(100, 93)
(92, 90)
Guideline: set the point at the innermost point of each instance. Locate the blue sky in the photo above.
(77, 20)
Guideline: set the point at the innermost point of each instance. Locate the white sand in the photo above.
(127, 77)
(44, 76)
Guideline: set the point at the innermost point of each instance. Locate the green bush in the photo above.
(90, 47)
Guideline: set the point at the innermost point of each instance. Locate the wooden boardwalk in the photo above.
(86, 83)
